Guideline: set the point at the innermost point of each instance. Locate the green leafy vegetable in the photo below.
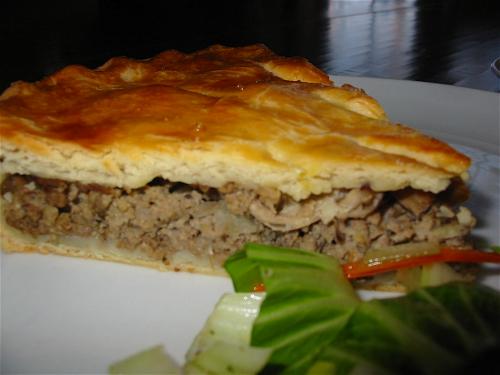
(308, 300)
(450, 329)
(223, 345)
(314, 323)
(310, 321)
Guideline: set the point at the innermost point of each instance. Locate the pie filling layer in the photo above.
(164, 217)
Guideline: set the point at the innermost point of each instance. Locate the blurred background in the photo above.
(451, 42)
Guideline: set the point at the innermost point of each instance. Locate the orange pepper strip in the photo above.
(260, 287)
(447, 254)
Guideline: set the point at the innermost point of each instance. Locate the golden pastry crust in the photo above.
(220, 115)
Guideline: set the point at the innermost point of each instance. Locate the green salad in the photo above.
(295, 312)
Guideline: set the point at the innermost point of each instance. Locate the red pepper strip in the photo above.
(362, 269)
(260, 287)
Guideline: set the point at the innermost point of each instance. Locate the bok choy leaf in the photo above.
(308, 301)
(310, 321)
(450, 329)
(313, 321)
(223, 345)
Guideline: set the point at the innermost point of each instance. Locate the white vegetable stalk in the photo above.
(223, 345)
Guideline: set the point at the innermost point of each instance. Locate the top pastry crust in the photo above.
(220, 115)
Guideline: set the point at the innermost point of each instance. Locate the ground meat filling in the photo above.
(164, 217)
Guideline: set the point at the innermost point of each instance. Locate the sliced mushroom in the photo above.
(415, 201)
(293, 215)
(355, 204)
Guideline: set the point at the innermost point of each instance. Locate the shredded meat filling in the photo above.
(163, 217)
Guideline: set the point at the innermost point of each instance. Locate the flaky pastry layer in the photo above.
(220, 115)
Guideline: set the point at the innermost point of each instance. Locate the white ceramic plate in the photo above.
(64, 315)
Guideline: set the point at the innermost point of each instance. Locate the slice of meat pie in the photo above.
(176, 161)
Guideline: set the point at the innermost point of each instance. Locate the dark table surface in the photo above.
(451, 42)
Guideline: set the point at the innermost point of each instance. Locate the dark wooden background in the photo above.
(451, 42)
